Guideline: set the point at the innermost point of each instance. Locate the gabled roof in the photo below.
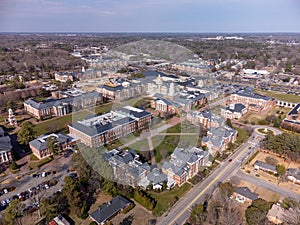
(156, 176)
(246, 192)
(109, 209)
(265, 166)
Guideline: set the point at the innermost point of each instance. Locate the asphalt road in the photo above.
(181, 211)
(268, 185)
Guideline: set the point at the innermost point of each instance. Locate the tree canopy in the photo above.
(26, 133)
(284, 144)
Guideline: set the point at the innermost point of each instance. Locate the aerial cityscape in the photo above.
(149, 112)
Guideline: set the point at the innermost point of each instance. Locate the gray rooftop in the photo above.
(109, 209)
(246, 192)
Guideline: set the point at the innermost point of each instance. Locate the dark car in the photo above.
(229, 160)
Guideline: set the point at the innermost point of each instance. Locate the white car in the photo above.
(5, 191)
(46, 186)
(44, 174)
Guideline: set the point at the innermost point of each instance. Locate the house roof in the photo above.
(246, 192)
(295, 110)
(109, 209)
(264, 165)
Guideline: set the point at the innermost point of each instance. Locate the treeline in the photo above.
(144, 199)
(284, 144)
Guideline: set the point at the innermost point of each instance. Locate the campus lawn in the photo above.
(242, 135)
(166, 198)
(101, 109)
(280, 96)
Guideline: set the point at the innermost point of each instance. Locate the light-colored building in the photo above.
(5, 148)
(206, 119)
(218, 138)
(234, 111)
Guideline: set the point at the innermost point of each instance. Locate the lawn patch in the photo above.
(166, 199)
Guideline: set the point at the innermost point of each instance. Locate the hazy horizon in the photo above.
(156, 16)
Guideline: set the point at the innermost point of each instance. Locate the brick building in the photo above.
(99, 130)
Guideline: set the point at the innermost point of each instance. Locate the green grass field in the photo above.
(280, 96)
(165, 199)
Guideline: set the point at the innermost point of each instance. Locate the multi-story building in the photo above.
(292, 119)
(205, 119)
(127, 168)
(60, 107)
(252, 101)
(118, 91)
(40, 148)
(234, 111)
(5, 148)
(99, 130)
(218, 138)
(184, 164)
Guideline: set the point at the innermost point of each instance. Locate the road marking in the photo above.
(198, 196)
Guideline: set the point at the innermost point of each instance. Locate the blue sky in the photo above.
(150, 16)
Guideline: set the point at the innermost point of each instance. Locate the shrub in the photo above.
(130, 207)
(93, 223)
(144, 199)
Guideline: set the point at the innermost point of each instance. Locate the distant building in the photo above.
(252, 101)
(184, 164)
(259, 165)
(244, 194)
(234, 111)
(63, 77)
(5, 148)
(39, 146)
(126, 166)
(109, 209)
(218, 138)
(103, 129)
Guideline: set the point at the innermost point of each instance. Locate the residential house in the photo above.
(218, 138)
(244, 194)
(126, 166)
(63, 77)
(234, 111)
(252, 101)
(99, 130)
(293, 174)
(184, 164)
(259, 165)
(109, 209)
(39, 146)
(5, 148)
(279, 215)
